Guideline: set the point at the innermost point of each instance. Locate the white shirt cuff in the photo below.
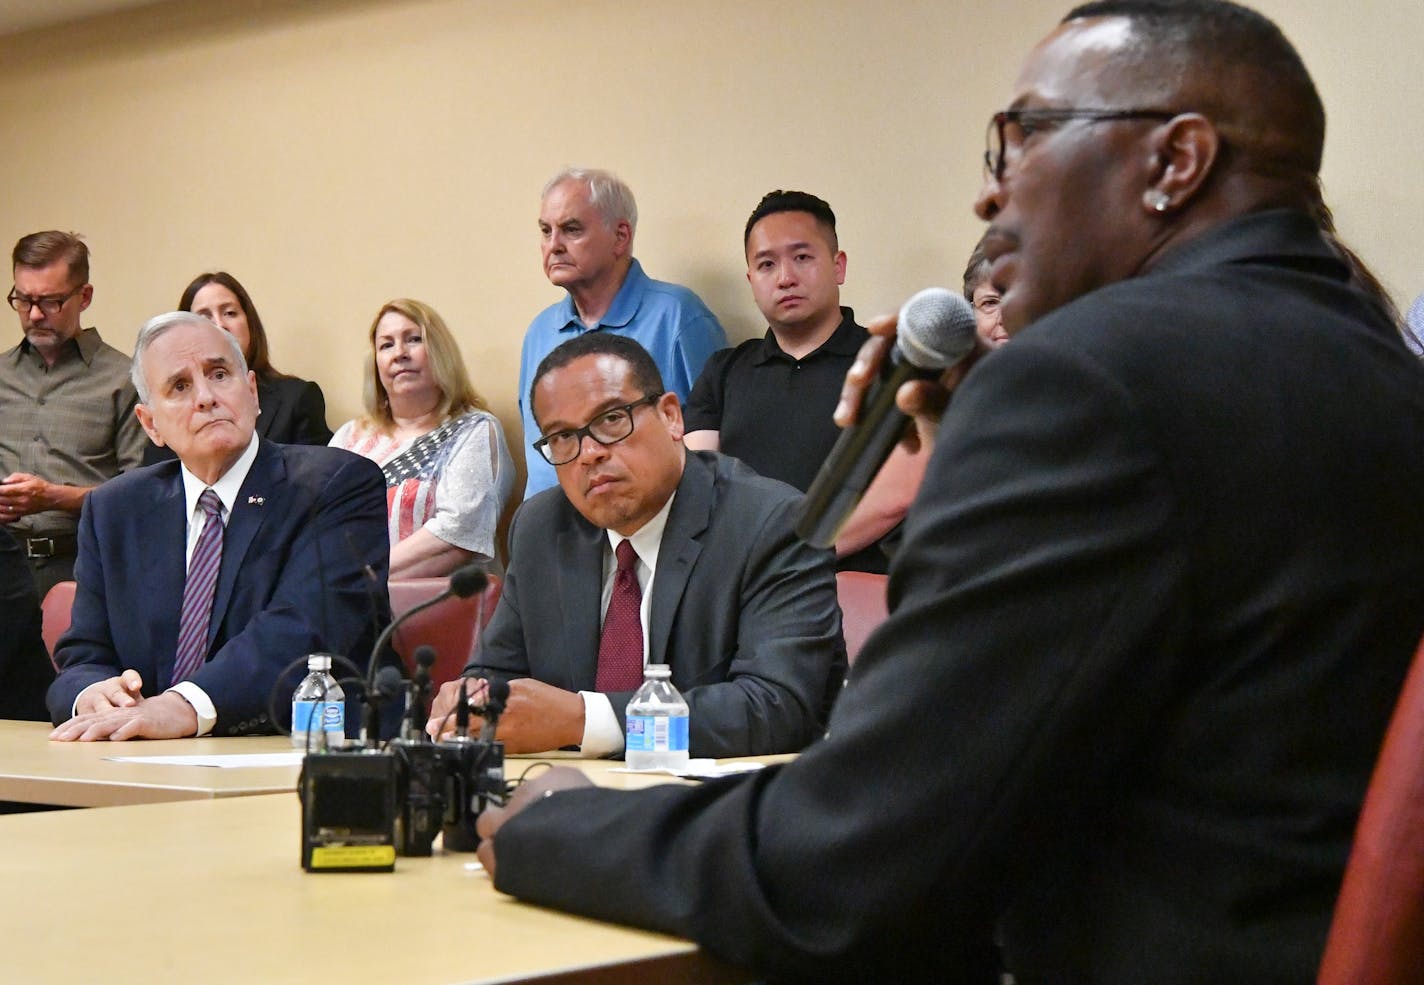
(202, 704)
(601, 734)
(74, 708)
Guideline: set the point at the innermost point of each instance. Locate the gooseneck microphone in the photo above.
(935, 331)
(464, 582)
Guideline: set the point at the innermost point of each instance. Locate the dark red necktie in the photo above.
(620, 650)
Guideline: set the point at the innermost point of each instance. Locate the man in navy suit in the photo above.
(302, 568)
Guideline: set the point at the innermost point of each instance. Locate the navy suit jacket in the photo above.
(743, 610)
(305, 556)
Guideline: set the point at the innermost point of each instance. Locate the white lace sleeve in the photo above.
(473, 488)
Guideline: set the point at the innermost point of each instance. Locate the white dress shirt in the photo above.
(601, 733)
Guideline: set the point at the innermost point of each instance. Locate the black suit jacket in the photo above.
(305, 555)
(743, 611)
(25, 668)
(293, 413)
(1156, 600)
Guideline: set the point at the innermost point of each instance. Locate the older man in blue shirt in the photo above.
(587, 219)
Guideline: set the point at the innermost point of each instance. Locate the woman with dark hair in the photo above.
(293, 410)
(448, 470)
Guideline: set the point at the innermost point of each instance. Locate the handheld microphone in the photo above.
(464, 582)
(935, 332)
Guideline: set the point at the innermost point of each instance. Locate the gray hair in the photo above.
(606, 192)
(157, 326)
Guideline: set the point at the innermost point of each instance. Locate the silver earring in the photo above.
(1159, 201)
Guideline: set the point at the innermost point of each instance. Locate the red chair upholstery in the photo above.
(452, 627)
(863, 607)
(54, 613)
(1377, 935)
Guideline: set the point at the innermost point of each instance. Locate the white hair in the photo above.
(159, 324)
(606, 192)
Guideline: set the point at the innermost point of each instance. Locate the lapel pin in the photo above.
(255, 499)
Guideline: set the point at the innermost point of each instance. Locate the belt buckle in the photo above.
(39, 547)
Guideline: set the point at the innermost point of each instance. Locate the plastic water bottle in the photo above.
(318, 708)
(657, 724)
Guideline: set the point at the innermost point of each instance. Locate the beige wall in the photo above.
(335, 153)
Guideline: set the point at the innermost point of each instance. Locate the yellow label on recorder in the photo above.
(352, 856)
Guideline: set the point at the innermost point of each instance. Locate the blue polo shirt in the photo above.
(668, 320)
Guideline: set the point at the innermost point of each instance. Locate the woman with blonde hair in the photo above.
(448, 470)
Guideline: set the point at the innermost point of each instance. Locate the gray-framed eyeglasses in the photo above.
(608, 428)
(1009, 127)
(50, 306)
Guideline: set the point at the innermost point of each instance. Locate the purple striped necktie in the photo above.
(198, 590)
(620, 650)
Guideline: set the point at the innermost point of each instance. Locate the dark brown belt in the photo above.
(55, 545)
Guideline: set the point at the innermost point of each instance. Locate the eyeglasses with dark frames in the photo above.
(608, 428)
(50, 306)
(1009, 128)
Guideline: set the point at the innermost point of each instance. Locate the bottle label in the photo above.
(330, 716)
(656, 733)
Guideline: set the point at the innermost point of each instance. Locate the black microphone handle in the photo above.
(858, 454)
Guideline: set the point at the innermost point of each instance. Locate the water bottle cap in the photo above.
(319, 661)
(658, 671)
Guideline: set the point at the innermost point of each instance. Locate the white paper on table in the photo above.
(699, 769)
(231, 761)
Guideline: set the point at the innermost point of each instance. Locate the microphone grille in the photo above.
(467, 581)
(936, 329)
(388, 682)
(498, 692)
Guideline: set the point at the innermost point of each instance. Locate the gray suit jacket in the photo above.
(743, 610)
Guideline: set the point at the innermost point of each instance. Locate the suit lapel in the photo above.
(579, 566)
(264, 493)
(677, 554)
(171, 523)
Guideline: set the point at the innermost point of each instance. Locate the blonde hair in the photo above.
(447, 366)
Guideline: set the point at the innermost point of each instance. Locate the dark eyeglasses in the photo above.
(608, 428)
(50, 306)
(1009, 128)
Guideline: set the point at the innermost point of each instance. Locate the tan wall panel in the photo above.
(335, 153)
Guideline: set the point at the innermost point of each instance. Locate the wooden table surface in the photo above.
(212, 891)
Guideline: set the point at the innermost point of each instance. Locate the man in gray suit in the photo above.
(742, 610)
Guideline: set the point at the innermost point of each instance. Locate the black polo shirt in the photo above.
(774, 412)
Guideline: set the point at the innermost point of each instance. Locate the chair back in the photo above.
(54, 615)
(863, 607)
(1377, 934)
(452, 627)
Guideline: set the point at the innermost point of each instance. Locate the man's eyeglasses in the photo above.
(50, 306)
(608, 428)
(1009, 128)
